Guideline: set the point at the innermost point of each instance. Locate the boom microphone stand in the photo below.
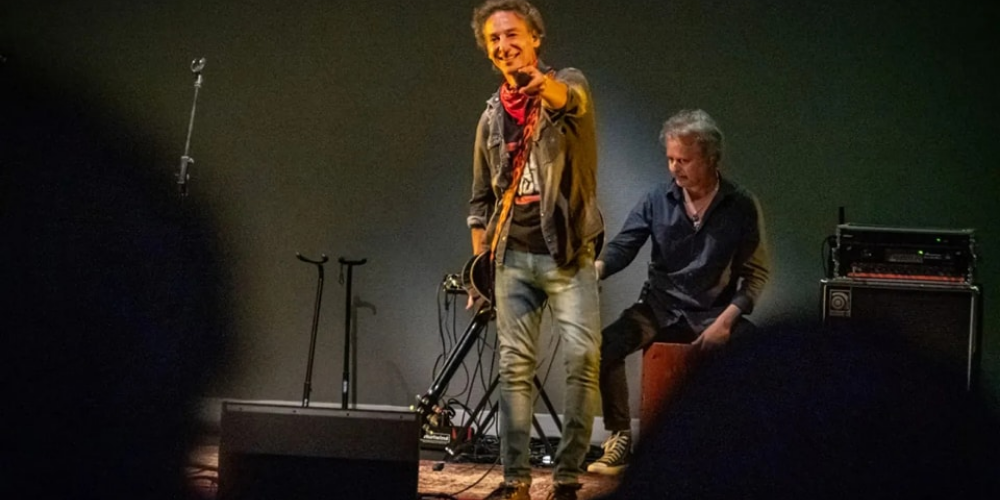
(182, 175)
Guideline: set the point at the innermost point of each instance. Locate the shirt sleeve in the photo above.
(754, 261)
(622, 249)
(578, 93)
(483, 198)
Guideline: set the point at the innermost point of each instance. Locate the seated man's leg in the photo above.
(678, 333)
(633, 330)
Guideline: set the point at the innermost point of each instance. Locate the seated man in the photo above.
(708, 267)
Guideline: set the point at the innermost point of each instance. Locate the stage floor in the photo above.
(465, 481)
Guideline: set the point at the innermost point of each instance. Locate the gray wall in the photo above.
(346, 129)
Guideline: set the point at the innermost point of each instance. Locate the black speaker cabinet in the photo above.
(940, 321)
(288, 453)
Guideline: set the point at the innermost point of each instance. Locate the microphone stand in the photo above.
(345, 386)
(182, 176)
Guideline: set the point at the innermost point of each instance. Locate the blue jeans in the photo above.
(524, 284)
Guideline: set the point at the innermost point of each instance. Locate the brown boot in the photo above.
(513, 490)
(565, 491)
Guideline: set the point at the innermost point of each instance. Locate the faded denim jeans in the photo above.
(525, 283)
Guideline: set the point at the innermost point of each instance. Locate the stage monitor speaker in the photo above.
(292, 453)
(941, 322)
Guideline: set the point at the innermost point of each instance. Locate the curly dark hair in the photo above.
(522, 8)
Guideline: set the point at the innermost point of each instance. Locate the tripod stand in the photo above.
(428, 405)
(471, 418)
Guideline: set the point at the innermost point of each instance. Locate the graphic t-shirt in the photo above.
(525, 233)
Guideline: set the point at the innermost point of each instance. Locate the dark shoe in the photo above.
(617, 449)
(565, 491)
(514, 490)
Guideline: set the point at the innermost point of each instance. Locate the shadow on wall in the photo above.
(114, 301)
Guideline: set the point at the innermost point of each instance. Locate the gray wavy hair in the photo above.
(698, 124)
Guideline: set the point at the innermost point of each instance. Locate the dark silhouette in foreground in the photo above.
(113, 299)
(807, 411)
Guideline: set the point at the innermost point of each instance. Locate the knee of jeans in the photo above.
(585, 363)
(516, 367)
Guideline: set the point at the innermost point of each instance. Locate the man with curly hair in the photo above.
(534, 210)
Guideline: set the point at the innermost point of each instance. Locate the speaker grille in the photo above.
(941, 322)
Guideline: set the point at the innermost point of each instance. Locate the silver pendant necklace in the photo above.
(693, 211)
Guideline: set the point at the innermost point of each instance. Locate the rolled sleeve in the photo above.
(578, 92)
(483, 198)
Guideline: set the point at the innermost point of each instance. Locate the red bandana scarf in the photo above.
(516, 103)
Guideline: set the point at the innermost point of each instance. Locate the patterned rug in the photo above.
(464, 481)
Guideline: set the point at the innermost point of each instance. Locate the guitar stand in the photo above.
(466, 430)
(307, 388)
(346, 380)
(428, 407)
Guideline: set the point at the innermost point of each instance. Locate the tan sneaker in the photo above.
(617, 449)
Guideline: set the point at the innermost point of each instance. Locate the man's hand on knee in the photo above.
(717, 334)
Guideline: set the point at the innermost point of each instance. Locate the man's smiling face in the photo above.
(510, 43)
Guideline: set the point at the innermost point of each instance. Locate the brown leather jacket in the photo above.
(564, 147)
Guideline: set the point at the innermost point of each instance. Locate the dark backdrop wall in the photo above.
(346, 128)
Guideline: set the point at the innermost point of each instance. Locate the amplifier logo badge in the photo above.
(838, 303)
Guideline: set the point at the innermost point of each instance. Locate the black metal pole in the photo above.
(197, 66)
(307, 387)
(427, 403)
(346, 383)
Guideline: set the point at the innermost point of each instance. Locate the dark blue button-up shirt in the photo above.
(695, 273)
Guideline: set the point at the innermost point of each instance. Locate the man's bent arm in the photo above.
(624, 247)
(554, 93)
(754, 271)
(729, 316)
